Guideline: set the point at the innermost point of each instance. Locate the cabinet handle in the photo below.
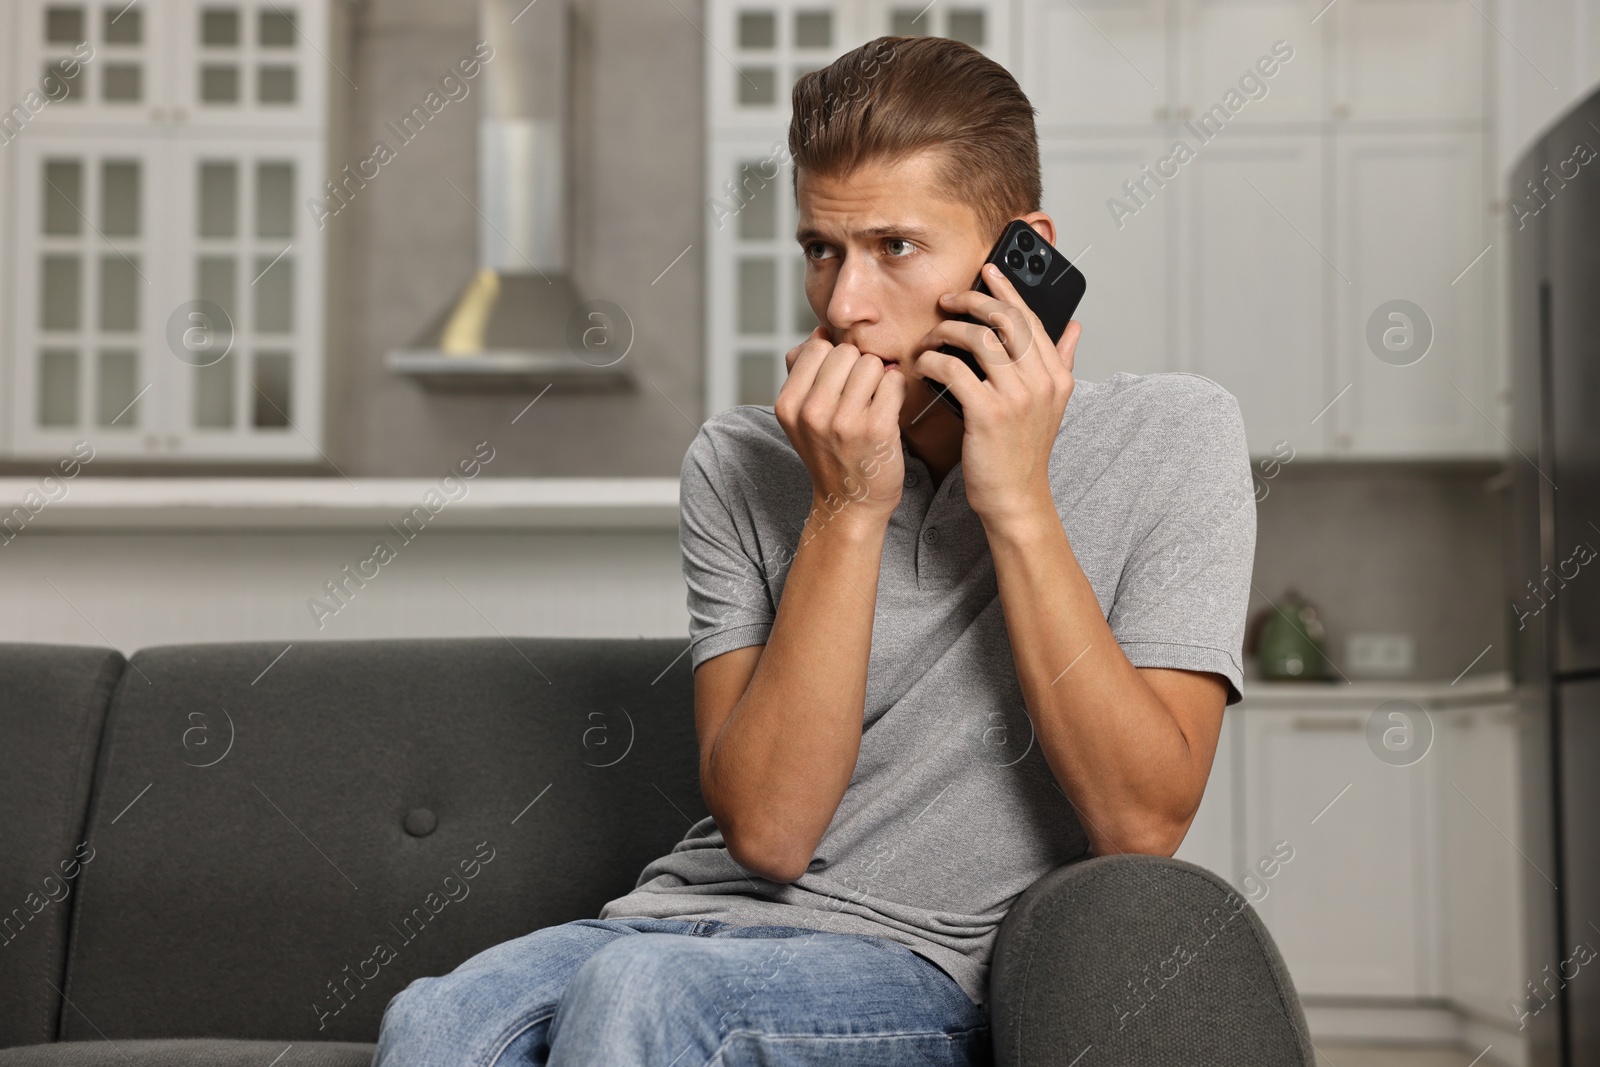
(1317, 722)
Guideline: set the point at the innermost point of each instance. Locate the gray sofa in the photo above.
(203, 846)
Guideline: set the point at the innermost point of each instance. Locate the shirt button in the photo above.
(911, 479)
(930, 535)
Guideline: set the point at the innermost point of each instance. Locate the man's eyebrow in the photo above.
(807, 234)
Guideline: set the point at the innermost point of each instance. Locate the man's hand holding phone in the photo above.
(841, 411)
(1014, 414)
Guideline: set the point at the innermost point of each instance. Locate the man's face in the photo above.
(881, 245)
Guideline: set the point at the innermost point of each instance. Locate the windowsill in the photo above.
(101, 503)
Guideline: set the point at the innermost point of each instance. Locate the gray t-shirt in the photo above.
(952, 811)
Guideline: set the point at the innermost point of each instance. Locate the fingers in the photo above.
(1024, 358)
(952, 373)
(1067, 347)
(817, 343)
(883, 413)
(861, 382)
(1007, 293)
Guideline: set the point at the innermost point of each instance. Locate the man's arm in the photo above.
(778, 753)
(1131, 747)
(780, 724)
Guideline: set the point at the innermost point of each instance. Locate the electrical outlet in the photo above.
(1381, 655)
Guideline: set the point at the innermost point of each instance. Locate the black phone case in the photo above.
(1053, 292)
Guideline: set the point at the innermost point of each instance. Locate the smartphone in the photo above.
(1046, 280)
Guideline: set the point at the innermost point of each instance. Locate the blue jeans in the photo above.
(638, 992)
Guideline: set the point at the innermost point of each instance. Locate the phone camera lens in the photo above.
(1025, 241)
(1036, 264)
(1014, 258)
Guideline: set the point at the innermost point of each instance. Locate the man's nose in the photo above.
(852, 300)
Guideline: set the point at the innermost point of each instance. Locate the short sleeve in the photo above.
(1184, 591)
(730, 604)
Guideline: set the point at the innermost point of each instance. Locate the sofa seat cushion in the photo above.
(189, 1052)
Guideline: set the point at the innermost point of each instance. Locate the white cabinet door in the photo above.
(1226, 45)
(238, 64)
(110, 344)
(1350, 910)
(1096, 63)
(1408, 59)
(1210, 840)
(116, 54)
(91, 296)
(1481, 860)
(1251, 307)
(984, 24)
(1411, 219)
(1126, 310)
(759, 50)
(755, 298)
(250, 249)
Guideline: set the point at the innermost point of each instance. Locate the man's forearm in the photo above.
(1114, 747)
(786, 754)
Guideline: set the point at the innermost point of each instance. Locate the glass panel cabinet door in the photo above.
(93, 63)
(759, 50)
(206, 344)
(247, 280)
(984, 24)
(756, 288)
(164, 276)
(90, 298)
(252, 64)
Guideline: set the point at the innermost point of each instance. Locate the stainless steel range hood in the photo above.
(518, 323)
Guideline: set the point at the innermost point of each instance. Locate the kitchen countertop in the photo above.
(1368, 693)
(122, 503)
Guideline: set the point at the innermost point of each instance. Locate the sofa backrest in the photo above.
(53, 701)
(284, 839)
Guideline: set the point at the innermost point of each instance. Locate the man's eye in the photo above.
(814, 247)
(901, 241)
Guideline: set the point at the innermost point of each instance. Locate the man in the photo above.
(934, 657)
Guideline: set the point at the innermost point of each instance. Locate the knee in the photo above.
(425, 1006)
(409, 1006)
(643, 967)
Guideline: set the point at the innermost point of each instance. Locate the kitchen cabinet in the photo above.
(1127, 309)
(1481, 860)
(1350, 912)
(186, 63)
(1354, 176)
(1251, 306)
(168, 282)
(1417, 60)
(1408, 210)
(1403, 890)
(1096, 66)
(1218, 42)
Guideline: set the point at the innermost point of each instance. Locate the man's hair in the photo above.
(895, 96)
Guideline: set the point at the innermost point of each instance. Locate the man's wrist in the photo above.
(849, 521)
(1031, 522)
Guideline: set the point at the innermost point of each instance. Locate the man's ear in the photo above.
(1041, 222)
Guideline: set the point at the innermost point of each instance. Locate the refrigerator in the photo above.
(1553, 571)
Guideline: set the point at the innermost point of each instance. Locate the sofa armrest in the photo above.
(1147, 960)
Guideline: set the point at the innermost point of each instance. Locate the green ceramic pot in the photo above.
(1292, 646)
